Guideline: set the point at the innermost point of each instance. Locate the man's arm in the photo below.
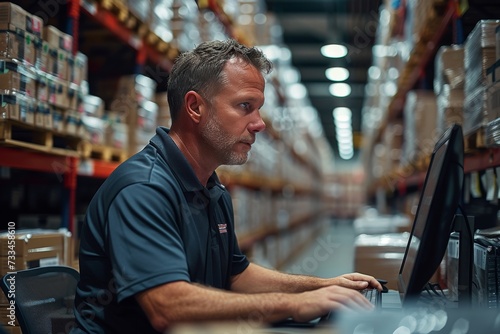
(178, 302)
(256, 279)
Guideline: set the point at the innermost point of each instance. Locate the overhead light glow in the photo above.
(374, 72)
(297, 91)
(337, 73)
(334, 51)
(340, 89)
(342, 114)
(342, 117)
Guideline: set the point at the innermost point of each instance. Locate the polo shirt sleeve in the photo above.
(145, 246)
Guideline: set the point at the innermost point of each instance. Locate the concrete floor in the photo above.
(330, 255)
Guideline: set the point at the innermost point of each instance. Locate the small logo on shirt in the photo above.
(222, 228)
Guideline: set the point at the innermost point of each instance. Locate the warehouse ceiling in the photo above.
(307, 26)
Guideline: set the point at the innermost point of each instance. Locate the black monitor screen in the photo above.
(438, 203)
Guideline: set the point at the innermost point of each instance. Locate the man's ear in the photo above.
(194, 105)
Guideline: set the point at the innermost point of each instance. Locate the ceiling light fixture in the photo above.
(337, 73)
(340, 89)
(334, 51)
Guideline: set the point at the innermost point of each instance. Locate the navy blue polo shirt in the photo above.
(150, 223)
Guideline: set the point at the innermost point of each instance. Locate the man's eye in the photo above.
(245, 105)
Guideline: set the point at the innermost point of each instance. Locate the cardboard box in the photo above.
(58, 93)
(18, 45)
(16, 78)
(41, 114)
(42, 57)
(15, 18)
(32, 248)
(380, 255)
(17, 107)
(77, 68)
(58, 63)
(58, 39)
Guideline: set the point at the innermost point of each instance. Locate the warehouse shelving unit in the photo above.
(412, 176)
(74, 168)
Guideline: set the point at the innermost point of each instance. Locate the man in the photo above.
(153, 253)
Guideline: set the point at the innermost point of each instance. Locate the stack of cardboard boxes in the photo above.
(41, 81)
(25, 249)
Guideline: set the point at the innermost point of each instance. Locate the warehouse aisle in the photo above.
(331, 254)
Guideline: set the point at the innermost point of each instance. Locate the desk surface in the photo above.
(475, 320)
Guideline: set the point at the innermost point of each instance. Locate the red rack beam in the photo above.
(481, 160)
(42, 162)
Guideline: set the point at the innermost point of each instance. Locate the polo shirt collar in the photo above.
(179, 164)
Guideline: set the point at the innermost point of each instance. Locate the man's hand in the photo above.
(312, 304)
(357, 281)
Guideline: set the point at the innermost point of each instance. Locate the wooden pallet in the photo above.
(475, 140)
(27, 136)
(103, 152)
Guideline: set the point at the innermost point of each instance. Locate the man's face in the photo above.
(234, 116)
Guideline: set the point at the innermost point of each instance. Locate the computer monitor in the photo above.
(432, 225)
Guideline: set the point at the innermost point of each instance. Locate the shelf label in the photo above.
(86, 167)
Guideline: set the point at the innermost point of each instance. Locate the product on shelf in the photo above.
(420, 124)
(93, 106)
(95, 129)
(21, 33)
(17, 107)
(449, 68)
(78, 68)
(132, 97)
(450, 107)
(35, 248)
(17, 78)
(60, 45)
(479, 56)
(43, 115)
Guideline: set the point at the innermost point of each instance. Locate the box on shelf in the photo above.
(58, 39)
(95, 129)
(450, 69)
(72, 122)
(17, 107)
(18, 46)
(57, 120)
(420, 124)
(17, 78)
(450, 107)
(15, 18)
(58, 93)
(479, 54)
(77, 68)
(34, 248)
(43, 115)
(117, 135)
(93, 106)
(142, 125)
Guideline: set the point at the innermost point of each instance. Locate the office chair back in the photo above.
(44, 298)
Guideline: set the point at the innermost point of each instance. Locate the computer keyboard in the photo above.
(374, 296)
